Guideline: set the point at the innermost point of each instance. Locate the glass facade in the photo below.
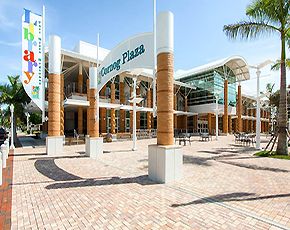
(209, 84)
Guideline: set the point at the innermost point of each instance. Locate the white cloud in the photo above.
(12, 44)
(5, 23)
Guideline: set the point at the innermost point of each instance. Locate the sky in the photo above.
(198, 30)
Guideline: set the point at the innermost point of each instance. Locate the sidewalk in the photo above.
(223, 187)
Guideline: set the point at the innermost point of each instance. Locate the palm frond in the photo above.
(277, 65)
(248, 30)
(265, 10)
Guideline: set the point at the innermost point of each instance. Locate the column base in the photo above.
(94, 146)
(165, 163)
(54, 146)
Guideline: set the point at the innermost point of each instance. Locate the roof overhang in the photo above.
(237, 64)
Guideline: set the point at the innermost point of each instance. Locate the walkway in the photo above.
(224, 187)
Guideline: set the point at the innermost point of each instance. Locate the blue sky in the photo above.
(199, 38)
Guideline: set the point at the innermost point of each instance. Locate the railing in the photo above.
(146, 133)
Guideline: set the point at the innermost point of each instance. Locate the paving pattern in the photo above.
(6, 194)
(224, 187)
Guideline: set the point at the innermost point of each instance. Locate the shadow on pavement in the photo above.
(187, 159)
(142, 180)
(237, 196)
(48, 168)
(255, 167)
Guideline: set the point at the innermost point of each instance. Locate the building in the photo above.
(196, 93)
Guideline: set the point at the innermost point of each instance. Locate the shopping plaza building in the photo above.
(197, 95)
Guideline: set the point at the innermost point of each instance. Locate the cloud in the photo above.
(12, 44)
(5, 23)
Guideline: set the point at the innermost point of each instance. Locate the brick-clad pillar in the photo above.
(80, 120)
(103, 115)
(113, 112)
(195, 123)
(239, 110)
(246, 122)
(254, 122)
(209, 124)
(54, 141)
(122, 101)
(230, 124)
(80, 83)
(250, 120)
(165, 99)
(165, 159)
(225, 116)
(54, 81)
(61, 105)
(138, 115)
(94, 122)
(149, 105)
(88, 98)
(80, 109)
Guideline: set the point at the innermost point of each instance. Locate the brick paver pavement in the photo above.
(223, 187)
(6, 194)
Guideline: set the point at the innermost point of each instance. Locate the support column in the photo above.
(239, 110)
(122, 101)
(175, 108)
(138, 115)
(80, 120)
(230, 124)
(80, 80)
(54, 141)
(209, 125)
(165, 159)
(246, 122)
(225, 116)
(113, 112)
(131, 112)
(195, 118)
(103, 115)
(61, 105)
(80, 109)
(88, 98)
(94, 144)
(149, 105)
(255, 121)
(186, 110)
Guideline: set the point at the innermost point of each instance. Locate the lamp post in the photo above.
(12, 126)
(258, 117)
(216, 117)
(136, 73)
(216, 114)
(27, 120)
(134, 114)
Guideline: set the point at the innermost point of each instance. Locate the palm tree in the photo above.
(267, 17)
(14, 93)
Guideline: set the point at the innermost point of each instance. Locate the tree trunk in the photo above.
(282, 147)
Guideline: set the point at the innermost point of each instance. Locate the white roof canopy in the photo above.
(237, 64)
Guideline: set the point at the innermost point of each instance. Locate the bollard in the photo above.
(2, 149)
(1, 169)
(6, 150)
